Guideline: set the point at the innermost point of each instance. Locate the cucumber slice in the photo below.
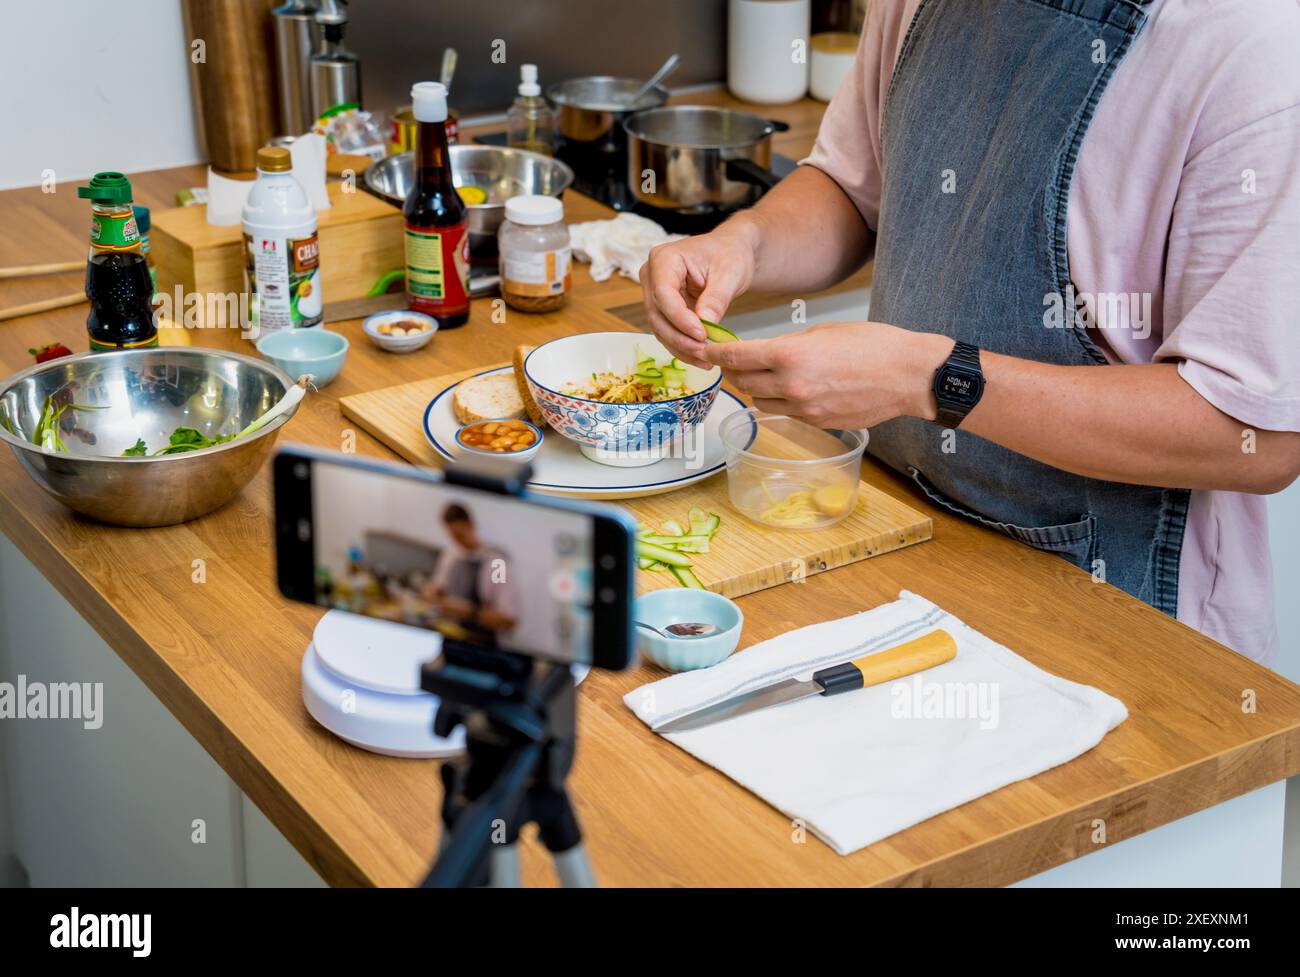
(674, 376)
(711, 524)
(696, 518)
(645, 563)
(671, 528)
(686, 578)
(718, 334)
(651, 373)
(680, 544)
(661, 553)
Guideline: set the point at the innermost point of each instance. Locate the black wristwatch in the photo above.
(958, 385)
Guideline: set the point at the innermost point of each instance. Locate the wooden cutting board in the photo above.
(744, 557)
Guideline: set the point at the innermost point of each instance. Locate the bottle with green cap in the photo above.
(117, 272)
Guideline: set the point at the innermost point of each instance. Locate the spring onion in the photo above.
(291, 399)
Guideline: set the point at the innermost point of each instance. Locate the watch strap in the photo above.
(950, 415)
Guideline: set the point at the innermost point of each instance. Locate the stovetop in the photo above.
(603, 177)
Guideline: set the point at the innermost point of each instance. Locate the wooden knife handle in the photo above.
(912, 656)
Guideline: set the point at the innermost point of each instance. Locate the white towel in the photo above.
(859, 766)
(620, 244)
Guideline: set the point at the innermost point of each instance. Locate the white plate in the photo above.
(561, 469)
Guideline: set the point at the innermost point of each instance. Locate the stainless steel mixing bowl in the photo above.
(500, 172)
(148, 393)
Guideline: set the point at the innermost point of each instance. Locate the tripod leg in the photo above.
(574, 868)
(557, 825)
(503, 866)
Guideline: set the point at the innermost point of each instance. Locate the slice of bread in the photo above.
(521, 382)
(487, 398)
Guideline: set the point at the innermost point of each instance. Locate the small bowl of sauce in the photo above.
(503, 438)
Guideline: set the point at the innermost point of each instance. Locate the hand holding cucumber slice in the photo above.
(718, 334)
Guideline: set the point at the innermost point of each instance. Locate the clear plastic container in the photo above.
(786, 474)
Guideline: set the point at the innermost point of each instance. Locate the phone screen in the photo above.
(491, 570)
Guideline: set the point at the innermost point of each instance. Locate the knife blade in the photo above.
(910, 657)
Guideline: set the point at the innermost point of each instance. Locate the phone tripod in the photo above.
(519, 718)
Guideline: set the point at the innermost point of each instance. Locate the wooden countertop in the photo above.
(224, 655)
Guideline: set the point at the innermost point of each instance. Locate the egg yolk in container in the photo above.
(786, 474)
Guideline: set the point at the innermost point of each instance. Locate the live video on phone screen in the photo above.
(492, 571)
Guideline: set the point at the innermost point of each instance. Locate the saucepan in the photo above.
(592, 110)
(695, 159)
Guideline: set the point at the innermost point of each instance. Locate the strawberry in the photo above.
(50, 351)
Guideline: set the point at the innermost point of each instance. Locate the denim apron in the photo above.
(981, 130)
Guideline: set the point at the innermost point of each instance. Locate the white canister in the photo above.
(767, 50)
(830, 57)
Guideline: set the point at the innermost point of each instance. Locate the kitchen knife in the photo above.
(912, 656)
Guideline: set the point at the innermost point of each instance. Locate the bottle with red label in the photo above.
(437, 221)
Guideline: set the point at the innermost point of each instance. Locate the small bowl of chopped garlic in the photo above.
(786, 474)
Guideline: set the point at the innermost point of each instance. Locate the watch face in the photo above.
(956, 385)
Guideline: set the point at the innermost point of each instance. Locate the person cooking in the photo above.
(471, 587)
(1085, 311)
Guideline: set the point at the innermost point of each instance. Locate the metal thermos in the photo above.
(297, 36)
(334, 71)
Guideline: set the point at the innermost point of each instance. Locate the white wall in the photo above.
(88, 86)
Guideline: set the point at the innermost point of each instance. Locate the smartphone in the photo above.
(546, 577)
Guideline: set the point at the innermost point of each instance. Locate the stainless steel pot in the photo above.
(499, 172)
(696, 159)
(592, 110)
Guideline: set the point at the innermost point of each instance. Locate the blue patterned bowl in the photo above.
(623, 435)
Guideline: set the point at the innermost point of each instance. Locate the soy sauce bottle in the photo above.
(118, 283)
(437, 221)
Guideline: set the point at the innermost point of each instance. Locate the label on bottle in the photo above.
(437, 269)
(282, 277)
(114, 232)
(536, 273)
(100, 346)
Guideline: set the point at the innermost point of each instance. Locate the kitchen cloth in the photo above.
(621, 244)
(859, 766)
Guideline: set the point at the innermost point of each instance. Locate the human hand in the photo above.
(838, 375)
(697, 277)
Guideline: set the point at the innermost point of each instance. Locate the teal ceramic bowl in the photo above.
(678, 605)
(299, 351)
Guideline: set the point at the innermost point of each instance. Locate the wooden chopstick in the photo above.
(44, 305)
(24, 271)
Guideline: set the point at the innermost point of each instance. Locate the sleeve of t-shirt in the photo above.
(848, 142)
(1232, 274)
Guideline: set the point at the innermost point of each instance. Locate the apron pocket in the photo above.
(1076, 541)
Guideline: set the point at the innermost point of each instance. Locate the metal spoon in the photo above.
(666, 69)
(449, 58)
(685, 630)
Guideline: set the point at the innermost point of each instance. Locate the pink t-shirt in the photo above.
(1187, 189)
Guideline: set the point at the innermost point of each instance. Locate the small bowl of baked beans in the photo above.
(504, 438)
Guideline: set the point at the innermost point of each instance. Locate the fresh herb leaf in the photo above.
(137, 450)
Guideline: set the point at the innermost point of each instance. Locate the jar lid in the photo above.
(274, 159)
(534, 208)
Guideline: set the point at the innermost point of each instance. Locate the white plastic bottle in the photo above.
(281, 252)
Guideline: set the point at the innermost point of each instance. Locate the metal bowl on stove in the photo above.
(498, 171)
